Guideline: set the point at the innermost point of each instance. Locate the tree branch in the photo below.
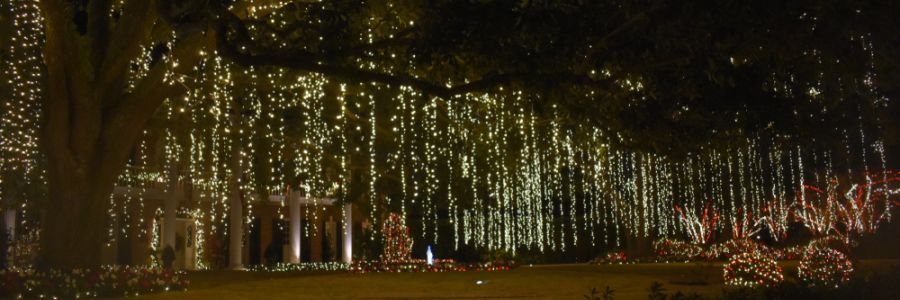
(56, 104)
(133, 27)
(283, 32)
(98, 30)
(70, 103)
(375, 46)
(603, 43)
(125, 121)
(253, 55)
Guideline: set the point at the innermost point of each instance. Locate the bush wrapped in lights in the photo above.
(420, 265)
(410, 265)
(616, 257)
(669, 250)
(675, 250)
(752, 269)
(824, 267)
(789, 253)
(301, 267)
(731, 247)
(396, 256)
(109, 281)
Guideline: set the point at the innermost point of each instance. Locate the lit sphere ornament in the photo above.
(752, 269)
(824, 267)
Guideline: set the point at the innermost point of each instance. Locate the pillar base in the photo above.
(237, 268)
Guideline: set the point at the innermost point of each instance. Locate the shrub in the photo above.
(111, 281)
(824, 267)
(657, 292)
(301, 267)
(617, 257)
(675, 250)
(273, 254)
(880, 285)
(752, 269)
(789, 253)
(168, 257)
(731, 247)
(420, 265)
(596, 294)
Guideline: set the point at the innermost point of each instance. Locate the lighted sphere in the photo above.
(752, 269)
(824, 267)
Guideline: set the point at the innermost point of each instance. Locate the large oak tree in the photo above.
(701, 66)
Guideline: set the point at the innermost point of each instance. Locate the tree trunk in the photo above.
(75, 219)
(92, 122)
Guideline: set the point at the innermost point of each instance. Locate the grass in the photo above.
(537, 282)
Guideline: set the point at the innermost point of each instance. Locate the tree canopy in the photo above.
(525, 123)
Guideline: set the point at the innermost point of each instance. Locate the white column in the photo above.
(295, 235)
(348, 233)
(236, 233)
(9, 223)
(170, 206)
(9, 226)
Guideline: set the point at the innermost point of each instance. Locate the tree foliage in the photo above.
(653, 76)
(662, 76)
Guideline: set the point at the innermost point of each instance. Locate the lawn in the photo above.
(537, 282)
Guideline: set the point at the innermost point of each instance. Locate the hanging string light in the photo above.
(501, 172)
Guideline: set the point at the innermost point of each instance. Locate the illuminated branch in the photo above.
(743, 225)
(240, 48)
(863, 208)
(698, 224)
(816, 211)
(124, 43)
(777, 217)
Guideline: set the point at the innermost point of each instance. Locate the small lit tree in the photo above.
(397, 243)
